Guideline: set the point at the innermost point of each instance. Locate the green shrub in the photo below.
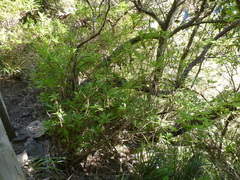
(91, 115)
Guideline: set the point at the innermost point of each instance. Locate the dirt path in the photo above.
(22, 106)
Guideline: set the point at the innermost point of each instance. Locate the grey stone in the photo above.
(35, 149)
(36, 129)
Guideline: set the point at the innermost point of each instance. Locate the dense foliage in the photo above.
(158, 77)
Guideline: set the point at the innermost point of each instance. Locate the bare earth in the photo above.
(22, 105)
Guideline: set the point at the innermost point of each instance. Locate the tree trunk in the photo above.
(5, 119)
(9, 165)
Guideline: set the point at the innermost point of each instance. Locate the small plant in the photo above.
(177, 163)
(46, 167)
(10, 71)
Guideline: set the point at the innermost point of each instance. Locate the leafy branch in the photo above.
(74, 60)
(201, 57)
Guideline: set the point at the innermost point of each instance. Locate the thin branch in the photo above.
(74, 61)
(230, 74)
(186, 52)
(196, 76)
(158, 71)
(132, 41)
(190, 23)
(225, 129)
(139, 7)
(99, 31)
(170, 14)
(100, 6)
(229, 28)
(119, 18)
(210, 22)
(89, 4)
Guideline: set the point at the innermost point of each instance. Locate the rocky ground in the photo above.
(26, 115)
